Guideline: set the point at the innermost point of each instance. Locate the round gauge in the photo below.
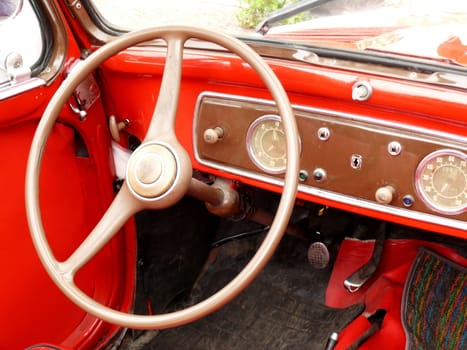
(266, 144)
(441, 181)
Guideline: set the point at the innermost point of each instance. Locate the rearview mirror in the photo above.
(10, 8)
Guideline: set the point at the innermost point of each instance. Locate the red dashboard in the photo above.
(369, 156)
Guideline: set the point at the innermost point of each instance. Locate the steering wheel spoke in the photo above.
(163, 119)
(122, 208)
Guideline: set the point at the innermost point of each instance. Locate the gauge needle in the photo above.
(445, 187)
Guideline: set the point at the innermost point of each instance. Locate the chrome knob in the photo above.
(385, 194)
(361, 91)
(213, 135)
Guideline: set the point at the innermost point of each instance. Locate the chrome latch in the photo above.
(84, 96)
(13, 65)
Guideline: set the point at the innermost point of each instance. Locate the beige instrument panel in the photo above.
(347, 158)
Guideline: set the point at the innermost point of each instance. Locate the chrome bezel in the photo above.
(249, 144)
(419, 185)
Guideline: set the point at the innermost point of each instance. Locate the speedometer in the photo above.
(441, 181)
(266, 144)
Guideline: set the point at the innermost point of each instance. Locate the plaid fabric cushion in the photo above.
(434, 304)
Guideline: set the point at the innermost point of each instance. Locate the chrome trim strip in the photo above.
(347, 116)
(12, 90)
(456, 141)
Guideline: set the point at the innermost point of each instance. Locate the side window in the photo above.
(20, 44)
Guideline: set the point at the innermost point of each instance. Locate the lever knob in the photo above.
(213, 135)
(385, 194)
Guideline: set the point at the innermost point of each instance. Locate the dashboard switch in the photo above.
(385, 194)
(394, 148)
(319, 175)
(324, 134)
(212, 136)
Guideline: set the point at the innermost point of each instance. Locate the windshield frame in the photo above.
(384, 63)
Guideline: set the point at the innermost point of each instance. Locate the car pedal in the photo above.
(356, 280)
(318, 255)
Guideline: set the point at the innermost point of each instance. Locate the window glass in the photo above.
(20, 41)
(137, 14)
(429, 29)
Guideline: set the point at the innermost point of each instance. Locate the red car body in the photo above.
(77, 188)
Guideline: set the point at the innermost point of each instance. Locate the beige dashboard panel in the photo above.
(348, 158)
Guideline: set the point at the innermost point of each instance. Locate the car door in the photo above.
(77, 177)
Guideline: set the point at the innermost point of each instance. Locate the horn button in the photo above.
(151, 170)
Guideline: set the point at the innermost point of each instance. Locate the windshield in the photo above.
(429, 29)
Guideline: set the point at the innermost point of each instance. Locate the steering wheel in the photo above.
(158, 174)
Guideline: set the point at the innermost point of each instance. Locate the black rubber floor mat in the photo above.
(281, 309)
(435, 303)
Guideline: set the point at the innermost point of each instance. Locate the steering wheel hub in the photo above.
(151, 170)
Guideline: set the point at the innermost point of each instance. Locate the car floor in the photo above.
(293, 305)
(282, 309)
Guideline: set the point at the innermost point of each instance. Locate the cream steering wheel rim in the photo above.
(62, 273)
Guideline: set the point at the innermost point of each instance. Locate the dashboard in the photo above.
(346, 158)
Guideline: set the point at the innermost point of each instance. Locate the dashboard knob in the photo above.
(385, 194)
(213, 135)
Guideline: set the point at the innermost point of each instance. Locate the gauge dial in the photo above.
(441, 181)
(266, 144)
